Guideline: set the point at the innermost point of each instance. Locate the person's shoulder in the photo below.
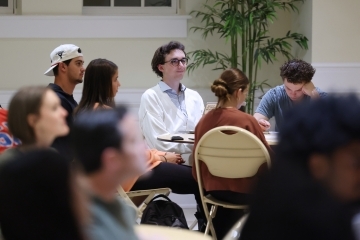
(277, 93)
(150, 95)
(278, 90)
(195, 95)
(57, 89)
(150, 92)
(193, 92)
(8, 155)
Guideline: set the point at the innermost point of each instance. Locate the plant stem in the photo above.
(250, 74)
(258, 31)
(243, 38)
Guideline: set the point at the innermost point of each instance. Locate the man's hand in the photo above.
(310, 90)
(264, 125)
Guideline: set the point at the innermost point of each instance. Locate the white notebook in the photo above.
(209, 106)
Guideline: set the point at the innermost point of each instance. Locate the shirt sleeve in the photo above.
(267, 105)
(321, 93)
(152, 126)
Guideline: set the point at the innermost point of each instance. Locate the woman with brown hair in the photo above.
(100, 87)
(231, 89)
(36, 117)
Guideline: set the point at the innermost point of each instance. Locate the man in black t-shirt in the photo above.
(67, 67)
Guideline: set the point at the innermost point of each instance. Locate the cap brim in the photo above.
(50, 71)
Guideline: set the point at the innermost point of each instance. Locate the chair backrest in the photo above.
(128, 201)
(235, 155)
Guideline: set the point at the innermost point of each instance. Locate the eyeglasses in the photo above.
(175, 62)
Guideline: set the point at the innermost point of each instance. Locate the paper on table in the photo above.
(209, 106)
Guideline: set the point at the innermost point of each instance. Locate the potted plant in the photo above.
(245, 23)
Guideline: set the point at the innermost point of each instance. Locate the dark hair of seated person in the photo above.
(102, 124)
(36, 200)
(289, 202)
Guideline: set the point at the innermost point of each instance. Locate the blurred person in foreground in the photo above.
(36, 118)
(42, 198)
(110, 147)
(313, 188)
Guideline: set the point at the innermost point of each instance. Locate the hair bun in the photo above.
(220, 88)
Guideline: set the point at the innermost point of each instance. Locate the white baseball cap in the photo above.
(61, 54)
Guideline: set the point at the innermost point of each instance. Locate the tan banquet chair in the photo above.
(147, 194)
(235, 155)
(167, 233)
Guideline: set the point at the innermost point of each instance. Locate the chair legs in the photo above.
(209, 225)
(193, 225)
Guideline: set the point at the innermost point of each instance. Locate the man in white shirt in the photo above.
(169, 107)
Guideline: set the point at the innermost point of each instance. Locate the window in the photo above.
(123, 7)
(6, 7)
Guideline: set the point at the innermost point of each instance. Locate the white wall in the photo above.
(24, 60)
(302, 23)
(335, 37)
(336, 31)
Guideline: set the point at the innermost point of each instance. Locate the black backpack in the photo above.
(164, 213)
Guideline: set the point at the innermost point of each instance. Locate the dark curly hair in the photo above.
(297, 71)
(160, 54)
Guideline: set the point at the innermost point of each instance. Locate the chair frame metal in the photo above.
(238, 162)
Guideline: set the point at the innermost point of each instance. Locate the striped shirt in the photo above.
(177, 99)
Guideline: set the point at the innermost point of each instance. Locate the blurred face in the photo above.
(294, 91)
(115, 83)
(133, 152)
(75, 70)
(341, 173)
(50, 123)
(170, 70)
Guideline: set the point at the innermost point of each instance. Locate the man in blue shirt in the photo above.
(297, 87)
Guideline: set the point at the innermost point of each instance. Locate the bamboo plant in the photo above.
(245, 23)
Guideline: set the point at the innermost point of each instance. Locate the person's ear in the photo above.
(62, 67)
(32, 119)
(239, 93)
(110, 160)
(161, 67)
(319, 166)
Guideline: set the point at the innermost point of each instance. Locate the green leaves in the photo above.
(205, 57)
(272, 46)
(245, 22)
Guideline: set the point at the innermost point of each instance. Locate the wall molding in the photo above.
(174, 26)
(128, 96)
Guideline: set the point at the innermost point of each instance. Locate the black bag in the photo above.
(164, 213)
